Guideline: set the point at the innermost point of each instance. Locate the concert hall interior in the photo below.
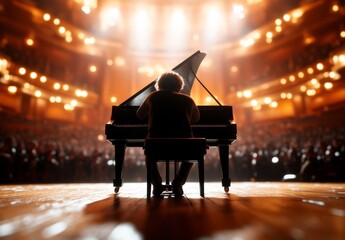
(66, 66)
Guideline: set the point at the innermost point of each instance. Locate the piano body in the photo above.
(125, 129)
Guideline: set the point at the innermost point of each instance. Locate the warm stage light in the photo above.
(81, 36)
(141, 29)
(328, 85)
(275, 159)
(78, 92)
(234, 69)
(208, 99)
(22, 71)
(100, 137)
(278, 22)
(267, 100)
(68, 107)
(269, 35)
(335, 8)
(342, 58)
(247, 42)
(12, 89)
(84, 93)
(274, 104)
(57, 86)
(238, 11)
(93, 68)
(287, 17)
(110, 16)
(68, 39)
(254, 103)
(300, 74)
(314, 81)
(310, 70)
(176, 35)
(56, 21)
(3, 65)
(89, 40)
(43, 79)
(113, 99)
(319, 66)
(38, 93)
(257, 107)
(110, 62)
(334, 75)
(46, 17)
(120, 61)
(342, 34)
(29, 42)
(247, 93)
(33, 75)
(311, 92)
(62, 30)
(278, 28)
(74, 103)
(65, 87)
(86, 9)
(214, 25)
(297, 14)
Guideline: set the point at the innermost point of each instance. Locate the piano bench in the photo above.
(175, 150)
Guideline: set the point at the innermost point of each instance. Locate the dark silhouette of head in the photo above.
(170, 81)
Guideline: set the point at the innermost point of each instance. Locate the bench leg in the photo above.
(201, 176)
(148, 178)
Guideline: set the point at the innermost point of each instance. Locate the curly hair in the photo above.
(170, 81)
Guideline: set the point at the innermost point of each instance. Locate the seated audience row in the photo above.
(48, 152)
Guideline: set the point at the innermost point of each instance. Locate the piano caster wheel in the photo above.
(226, 189)
(116, 189)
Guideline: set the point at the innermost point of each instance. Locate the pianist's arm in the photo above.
(195, 115)
(143, 110)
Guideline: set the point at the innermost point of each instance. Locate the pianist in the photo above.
(170, 114)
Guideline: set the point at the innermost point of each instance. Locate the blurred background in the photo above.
(65, 63)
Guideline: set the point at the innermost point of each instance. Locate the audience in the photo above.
(47, 152)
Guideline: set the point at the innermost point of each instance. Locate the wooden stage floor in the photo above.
(249, 211)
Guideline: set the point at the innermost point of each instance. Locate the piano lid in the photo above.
(187, 69)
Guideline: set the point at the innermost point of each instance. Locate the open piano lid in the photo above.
(187, 69)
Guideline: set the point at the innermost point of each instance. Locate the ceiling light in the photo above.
(43, 79)
(33, 75)
(311, 92)
(319, 66)
(46, 17)
(12, 89)
(22, 71)
(38, 93)
(328, 85)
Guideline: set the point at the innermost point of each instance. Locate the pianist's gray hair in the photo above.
(171, 81)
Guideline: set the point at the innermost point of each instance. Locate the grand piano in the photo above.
(125, 129)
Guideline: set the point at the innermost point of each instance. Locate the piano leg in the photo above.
(224, 159)
(119, 157)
